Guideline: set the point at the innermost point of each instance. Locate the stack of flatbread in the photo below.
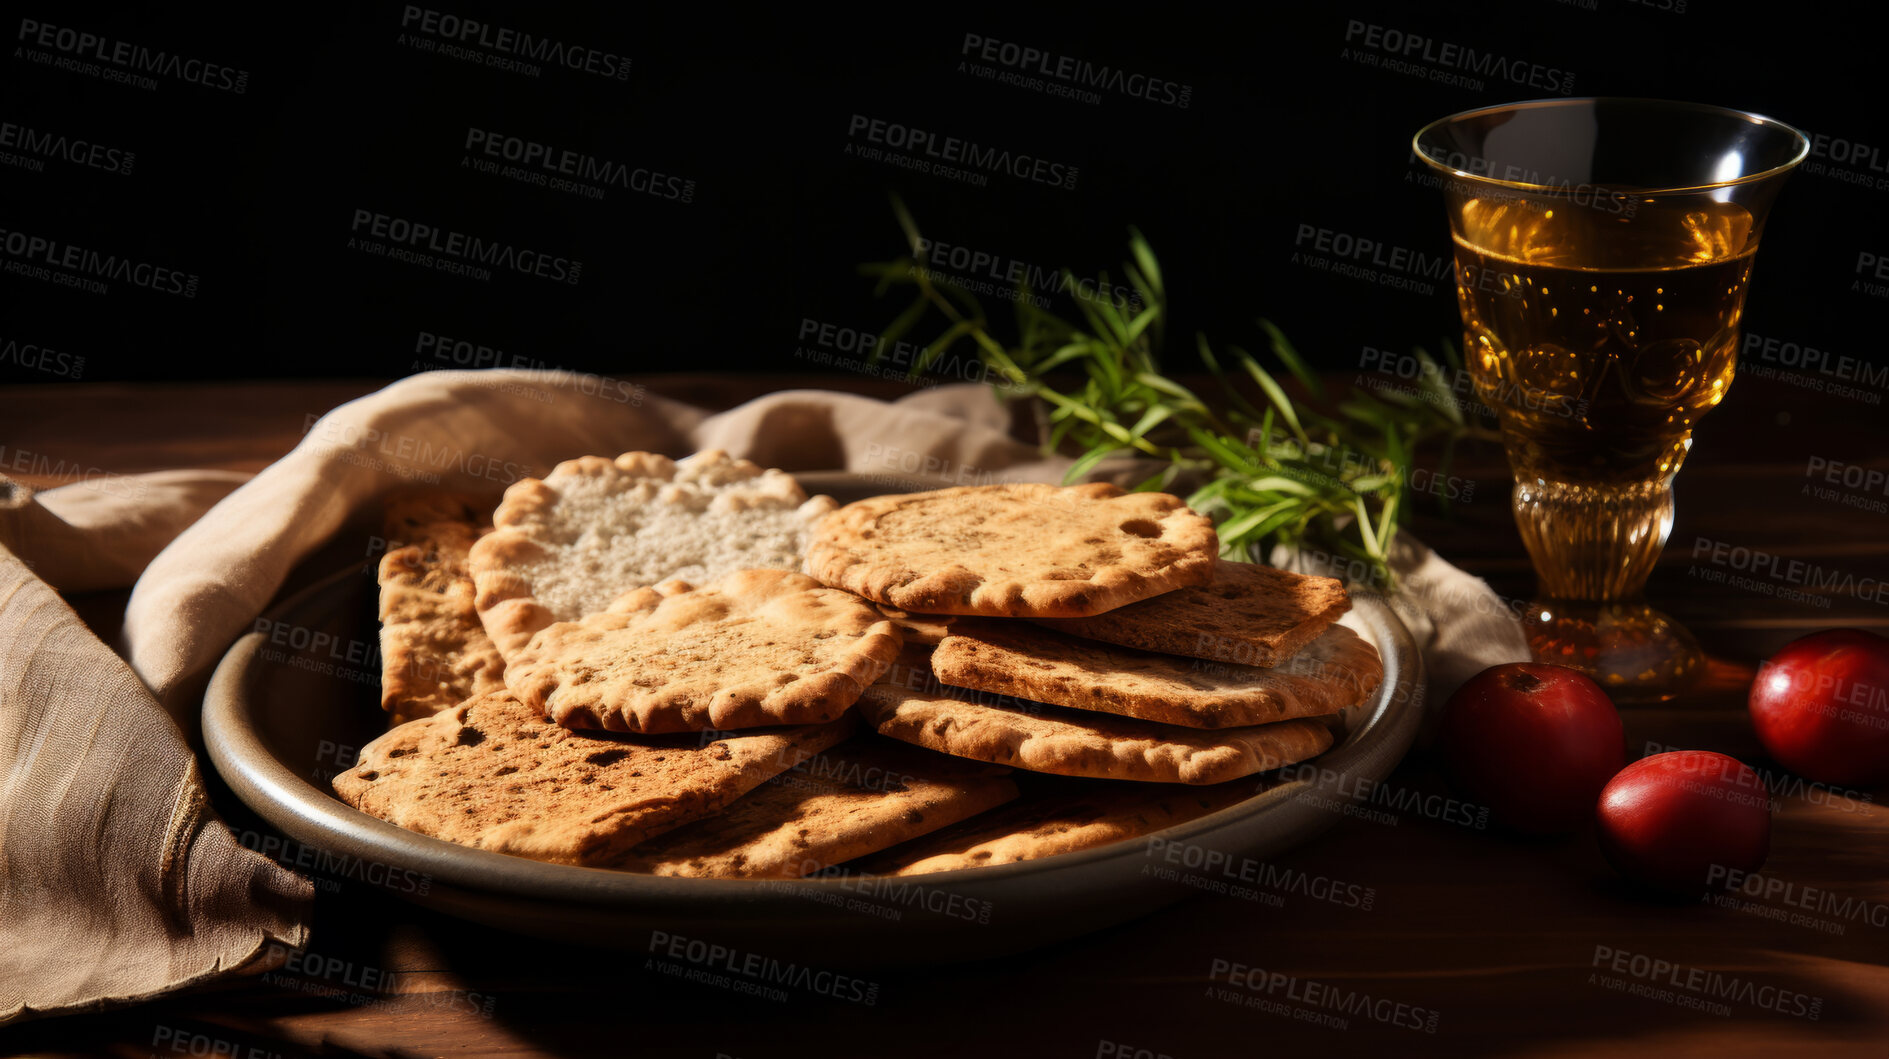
(692, 668)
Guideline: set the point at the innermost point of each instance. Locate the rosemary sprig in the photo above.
(1266, 469)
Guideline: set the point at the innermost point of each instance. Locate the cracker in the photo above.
(494, 774)
(412, 517)
(911, 705)
(434, 652)
(863, 796)
(1337, 670)
(566, 546)
(1061, 818)
(919, 628)
(755, 648)
(1016, 550)
(1247, 615)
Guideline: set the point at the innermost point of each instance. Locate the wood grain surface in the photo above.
(1510, 944)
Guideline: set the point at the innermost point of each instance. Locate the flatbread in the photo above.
(755, 648)
(494, 774)
(1337, 670)
(566, 546)
(911, 705)
(411, 517)
(863, 796)
(1016, 550)
(1060, 816)
(434, 651)
(1247, 615)
(927, 629)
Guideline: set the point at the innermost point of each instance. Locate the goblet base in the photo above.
(1638, 654)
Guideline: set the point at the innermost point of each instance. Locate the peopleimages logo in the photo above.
(37, 257)
(35, 357)
(419, 241)
(1794, 355)
(588, 175)
(1849, 161)
(1210, 862)
(931, 152)
(726, 965)
(90, 54)
(1038, 69)
(1695, 987)
(335, 867)
(19, 462)
(1446, 58)
(505, 48)
(984, 272)
(36, 144)
(1874, 265)
(1305, 999)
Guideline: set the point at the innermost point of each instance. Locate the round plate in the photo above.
(292, 701)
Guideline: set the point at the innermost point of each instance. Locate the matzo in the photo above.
(568, 545)
(755, 648)
(494, 774)
(1025, 550)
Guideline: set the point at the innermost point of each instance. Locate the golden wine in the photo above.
(1598, 348)
(1599, 339)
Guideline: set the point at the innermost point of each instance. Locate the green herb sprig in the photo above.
(1267, 469)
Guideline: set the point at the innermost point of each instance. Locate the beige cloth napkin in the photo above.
(115, 882)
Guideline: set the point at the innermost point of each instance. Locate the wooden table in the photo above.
(1509, 943)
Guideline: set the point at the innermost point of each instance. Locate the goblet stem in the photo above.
(1593, 548)
(1593, 542)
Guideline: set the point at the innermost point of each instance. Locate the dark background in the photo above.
(255, 193)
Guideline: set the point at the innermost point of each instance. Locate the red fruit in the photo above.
(1534, 742)
(1684, 821)
(1821, 707)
